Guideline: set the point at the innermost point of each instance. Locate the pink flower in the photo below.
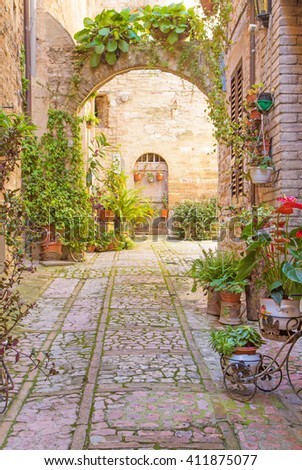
(286, 199)
(299, 234)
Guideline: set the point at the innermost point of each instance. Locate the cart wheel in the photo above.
(293, 366)
(239, 382)
(272, 378)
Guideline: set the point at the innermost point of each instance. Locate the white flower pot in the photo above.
(260, 175)
(281, 320)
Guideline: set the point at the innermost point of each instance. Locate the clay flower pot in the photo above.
(137, 177)
(159, 176)
(164, 213)
(229, 297)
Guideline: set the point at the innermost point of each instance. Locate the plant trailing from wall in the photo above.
(109, 35)
(54, 180)
(14, 130)
(24, 81)
(169, 23)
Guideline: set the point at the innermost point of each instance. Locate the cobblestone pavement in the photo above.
(130, 341)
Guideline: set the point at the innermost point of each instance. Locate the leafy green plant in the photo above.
(91, 119)
(213, 266)
(127, 204)
(170, 22)
(99, 150)
(224, 285)
(276, 249)
(226, 341)
(109, 35)
(194, 218)
(54, 180)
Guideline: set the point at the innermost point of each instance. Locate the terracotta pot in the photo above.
(137, 177)
(51, 250)
(230, 313)
(250, 99)
(245, 350)
(213, 304)
(255, 115)
(90, 249)
(164, 213)
(159, 176)
(89, 125)
(105, 214)
(229, 297)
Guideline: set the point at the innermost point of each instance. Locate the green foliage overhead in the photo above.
(109, 35)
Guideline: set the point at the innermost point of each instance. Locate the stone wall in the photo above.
(11, 40)
(156, 112)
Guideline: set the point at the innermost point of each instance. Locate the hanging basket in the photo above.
(260, 175)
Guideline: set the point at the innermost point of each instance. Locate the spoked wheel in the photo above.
(239, 382)
(272, 378)
(293, 366)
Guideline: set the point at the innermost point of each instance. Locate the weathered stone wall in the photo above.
(11, 40)
(156, 112)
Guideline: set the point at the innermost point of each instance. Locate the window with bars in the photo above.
(236, 114)
(151, 158)
(102, 110)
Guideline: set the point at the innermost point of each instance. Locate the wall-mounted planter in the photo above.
(265, 101)
(260, 175)
(159, 176)
(137, 177)
(164, 213)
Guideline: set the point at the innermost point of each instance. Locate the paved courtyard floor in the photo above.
(130, 341)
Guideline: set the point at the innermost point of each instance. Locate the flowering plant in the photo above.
(277, 250)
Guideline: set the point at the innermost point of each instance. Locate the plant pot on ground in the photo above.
(236, 344)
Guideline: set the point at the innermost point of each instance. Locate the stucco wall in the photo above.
(156, 112)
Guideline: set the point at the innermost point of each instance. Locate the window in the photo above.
(151, 158)
(236, 114)
(102, 110)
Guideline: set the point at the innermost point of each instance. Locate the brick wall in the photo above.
(278, 63)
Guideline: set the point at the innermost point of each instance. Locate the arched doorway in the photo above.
(153, 172)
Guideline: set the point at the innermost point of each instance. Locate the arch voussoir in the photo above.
(185, 60)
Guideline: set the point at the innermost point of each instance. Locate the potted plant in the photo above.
(251, 94)
(230, 291)
(164, 211)
(159, 176)
(237, 344)
(276, 249)
(260, 168)
(137, 175)
(169, 23)
(150, 177)
(91, 120)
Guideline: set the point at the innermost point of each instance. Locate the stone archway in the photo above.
(66, 78)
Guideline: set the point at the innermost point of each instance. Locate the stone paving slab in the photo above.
(130, 341)
(45, 423)
(153, 368)
(140, 339)
(160, 318)
(169, 420)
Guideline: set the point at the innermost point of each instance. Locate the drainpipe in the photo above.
(27, 47)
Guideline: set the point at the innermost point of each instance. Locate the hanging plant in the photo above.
(265, 101)
(169, 23)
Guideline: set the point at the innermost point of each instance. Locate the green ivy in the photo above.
(111, 34)
(54, 179)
